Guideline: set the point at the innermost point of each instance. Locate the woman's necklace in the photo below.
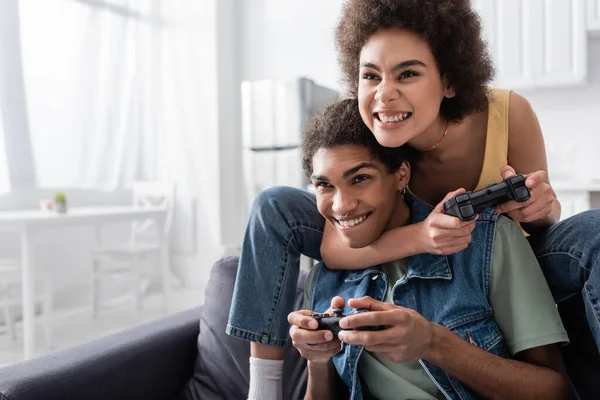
(440, 140)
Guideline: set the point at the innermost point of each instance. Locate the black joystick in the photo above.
(467, 205)
(331, 322)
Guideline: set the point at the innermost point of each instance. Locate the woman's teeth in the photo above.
(393, 118)
(351, 222)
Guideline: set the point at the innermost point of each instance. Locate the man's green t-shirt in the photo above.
(523, 307)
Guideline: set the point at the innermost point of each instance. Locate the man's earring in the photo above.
(404, 190)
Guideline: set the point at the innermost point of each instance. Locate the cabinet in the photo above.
(593, 15)
(535, 43)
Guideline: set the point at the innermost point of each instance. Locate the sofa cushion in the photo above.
(222, 363)
(152, 361)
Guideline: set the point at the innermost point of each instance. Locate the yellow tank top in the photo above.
(496, 145)
(496, 142)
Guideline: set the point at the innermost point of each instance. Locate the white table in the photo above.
(29, 221)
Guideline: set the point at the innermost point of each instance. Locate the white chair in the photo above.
(10, 297)
(138, 258)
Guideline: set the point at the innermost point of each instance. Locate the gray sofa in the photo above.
(184, 356)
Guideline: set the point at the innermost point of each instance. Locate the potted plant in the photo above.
(60, 203)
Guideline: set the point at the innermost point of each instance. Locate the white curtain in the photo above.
(16, 164)
(113, 91)
(4, 181)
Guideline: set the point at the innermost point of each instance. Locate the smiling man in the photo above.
(360, 223)
(478, 323)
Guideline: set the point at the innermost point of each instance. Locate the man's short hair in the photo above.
(340, 123)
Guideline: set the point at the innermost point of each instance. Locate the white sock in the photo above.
(265, 379)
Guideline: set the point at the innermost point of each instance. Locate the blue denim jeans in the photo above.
(285, 223)
(569, 254)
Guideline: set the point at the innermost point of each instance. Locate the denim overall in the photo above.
(449, 290)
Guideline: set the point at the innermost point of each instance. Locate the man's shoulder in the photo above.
(511, 246)
(496, 234)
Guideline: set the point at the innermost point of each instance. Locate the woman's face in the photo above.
(400, 89)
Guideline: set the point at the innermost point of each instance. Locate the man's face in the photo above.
(356, 194)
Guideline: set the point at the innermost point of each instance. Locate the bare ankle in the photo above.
(266, 352)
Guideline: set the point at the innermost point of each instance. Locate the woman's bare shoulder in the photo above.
(520, 112)
(526, 148)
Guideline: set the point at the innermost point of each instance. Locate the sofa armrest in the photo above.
(150, 361)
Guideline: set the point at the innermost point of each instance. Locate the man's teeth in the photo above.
(393, 118)
(352, 222)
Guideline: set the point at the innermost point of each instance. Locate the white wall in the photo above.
(219, 222)
(283, 39)
(219, 225)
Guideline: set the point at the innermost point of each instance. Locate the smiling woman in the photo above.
(448, 43)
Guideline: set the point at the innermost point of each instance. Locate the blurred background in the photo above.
(206, 98)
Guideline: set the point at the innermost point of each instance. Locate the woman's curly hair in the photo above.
(452, 29)
(339, 124)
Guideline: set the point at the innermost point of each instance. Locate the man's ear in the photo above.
(403, 176)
